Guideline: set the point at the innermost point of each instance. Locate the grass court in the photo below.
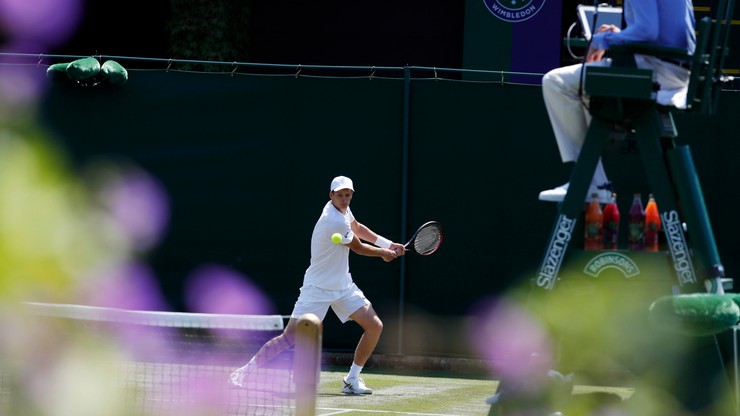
(429, 394)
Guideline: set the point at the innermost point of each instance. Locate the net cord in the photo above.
(158, 318)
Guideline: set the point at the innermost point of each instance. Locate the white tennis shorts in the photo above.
(317, 301)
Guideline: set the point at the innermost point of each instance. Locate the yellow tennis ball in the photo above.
(336, 238)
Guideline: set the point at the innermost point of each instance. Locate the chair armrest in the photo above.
(663, 52)
(575, 42)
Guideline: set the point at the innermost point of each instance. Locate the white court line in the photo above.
(340, 411)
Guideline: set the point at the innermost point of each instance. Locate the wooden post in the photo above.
(307, 363)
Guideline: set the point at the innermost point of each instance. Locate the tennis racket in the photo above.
(427, 239)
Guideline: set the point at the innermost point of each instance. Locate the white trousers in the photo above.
(569, 116)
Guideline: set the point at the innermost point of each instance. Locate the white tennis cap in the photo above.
(341, 182)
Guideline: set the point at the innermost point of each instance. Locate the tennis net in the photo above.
(179, 363)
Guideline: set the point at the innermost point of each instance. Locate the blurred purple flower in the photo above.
(129, 286)
(218, 289)
(20, 84)
(45, 22)
(139, 205)
(516, 345)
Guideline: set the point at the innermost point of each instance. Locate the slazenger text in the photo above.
(555, 252)
(679, 249)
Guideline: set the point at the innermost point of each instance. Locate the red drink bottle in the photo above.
(611, 224)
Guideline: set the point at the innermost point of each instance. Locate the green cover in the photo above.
(695, 314)
(57, 72)
(114, 72)
(84, 68)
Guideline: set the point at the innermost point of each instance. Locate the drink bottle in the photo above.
(592, 230)
(636, 222)
(611, 224)
(652, 225)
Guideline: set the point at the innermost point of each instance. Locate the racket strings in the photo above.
(428, 239)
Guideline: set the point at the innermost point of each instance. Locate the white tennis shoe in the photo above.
(355, 386)
(603, 193)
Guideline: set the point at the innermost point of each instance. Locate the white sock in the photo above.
(599, 175)
(354, 371)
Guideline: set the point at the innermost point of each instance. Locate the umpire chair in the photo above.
(623, 98)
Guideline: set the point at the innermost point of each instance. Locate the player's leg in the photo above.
(308, 302)
(267, 352)
(373, 327)
(277, 345)
(368, 319)
(353, 305)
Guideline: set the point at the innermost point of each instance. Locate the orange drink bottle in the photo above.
(652, 225)
(594, 221)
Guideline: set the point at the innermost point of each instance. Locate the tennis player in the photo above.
(328, 282)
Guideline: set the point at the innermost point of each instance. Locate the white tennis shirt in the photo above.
(329, 268)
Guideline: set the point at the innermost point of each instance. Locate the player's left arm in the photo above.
(366, 234)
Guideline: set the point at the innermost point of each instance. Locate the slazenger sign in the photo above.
(555, 252)
(514, 10)
(679, 248)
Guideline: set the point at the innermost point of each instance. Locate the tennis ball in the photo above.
(336, 238)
